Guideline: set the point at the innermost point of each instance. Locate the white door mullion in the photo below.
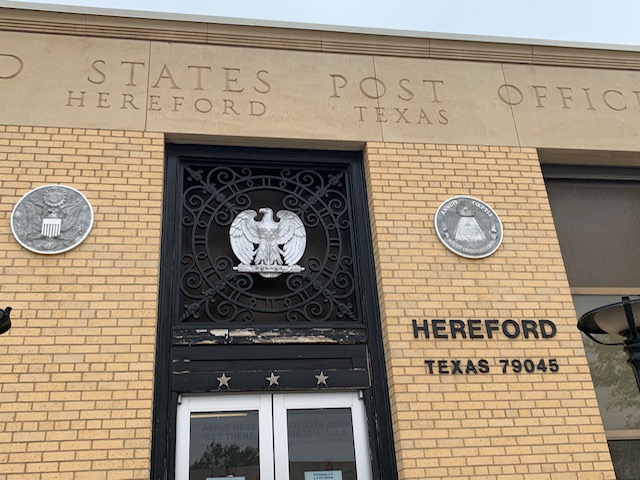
(183, 432)
(281, 442)
(265, 438)
(361, 438)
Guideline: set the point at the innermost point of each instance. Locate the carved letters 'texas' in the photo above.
(404, 100)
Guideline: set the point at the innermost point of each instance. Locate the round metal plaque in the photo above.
(468, 227)
(52, 219)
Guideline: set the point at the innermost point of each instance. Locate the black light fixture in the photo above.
(617, 318)
(5, 322)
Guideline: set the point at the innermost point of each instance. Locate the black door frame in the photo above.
(376, 397)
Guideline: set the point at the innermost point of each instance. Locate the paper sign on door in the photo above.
(328, 475)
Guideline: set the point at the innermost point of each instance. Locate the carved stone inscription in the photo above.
(167, 94)
(569, 97)
(401, 100)
(205, 89)
(10, 66)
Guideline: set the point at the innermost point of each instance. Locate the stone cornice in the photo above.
(100, 26)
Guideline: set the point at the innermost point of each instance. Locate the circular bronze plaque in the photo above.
(52, 219)
(468, 227)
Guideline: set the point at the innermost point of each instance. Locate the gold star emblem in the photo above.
(224, 381)
(322, 378)
(273, 379)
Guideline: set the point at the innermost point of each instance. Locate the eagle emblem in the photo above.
(257, 243)
(51, 219)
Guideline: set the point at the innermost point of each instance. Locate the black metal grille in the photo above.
(214, 320)
(325, 292)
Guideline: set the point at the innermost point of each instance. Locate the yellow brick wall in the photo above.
(493, 426)
(77, 366)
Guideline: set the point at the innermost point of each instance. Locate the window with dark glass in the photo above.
(596, 211)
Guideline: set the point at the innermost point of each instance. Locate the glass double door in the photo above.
(301, 436)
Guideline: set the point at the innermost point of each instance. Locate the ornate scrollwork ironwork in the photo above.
(324, 292)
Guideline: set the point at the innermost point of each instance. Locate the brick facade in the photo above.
(77, 365)
(485, 426)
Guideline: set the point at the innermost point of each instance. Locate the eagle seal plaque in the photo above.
(468, 227)
(52, 219)
(257, 243)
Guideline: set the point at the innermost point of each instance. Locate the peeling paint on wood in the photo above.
(280, 336)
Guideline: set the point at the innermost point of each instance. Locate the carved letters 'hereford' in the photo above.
(195, 89)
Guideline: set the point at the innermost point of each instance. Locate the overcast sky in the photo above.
(591, 21)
